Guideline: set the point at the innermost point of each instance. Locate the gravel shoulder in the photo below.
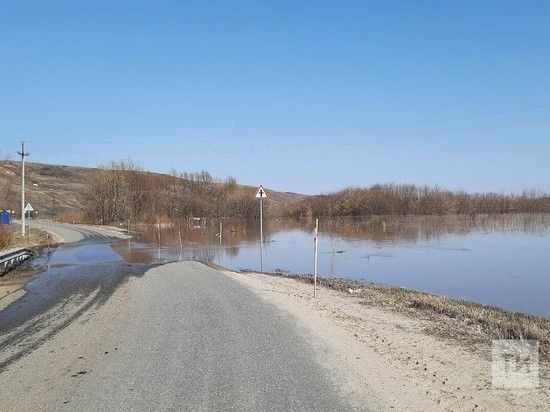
(388, 359)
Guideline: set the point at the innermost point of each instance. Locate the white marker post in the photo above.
(315, 253)
(158, 232)
(260, 194)
(221, 250)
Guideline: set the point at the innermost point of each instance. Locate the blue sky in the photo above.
(306, 96)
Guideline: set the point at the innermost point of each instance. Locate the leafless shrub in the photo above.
(123, 191)
(391, 199)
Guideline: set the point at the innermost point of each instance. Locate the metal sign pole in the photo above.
(261, 221)
(315, 258)
(261, 234)
(260, 194)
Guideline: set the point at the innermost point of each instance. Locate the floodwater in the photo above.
(77, 269)
(497, 260)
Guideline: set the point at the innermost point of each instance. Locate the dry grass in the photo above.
(469, 322)
(73, 217)
(35, 239)
(61, 190)
(5, 237)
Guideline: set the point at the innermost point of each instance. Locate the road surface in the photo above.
(182, 336)
(68, 233)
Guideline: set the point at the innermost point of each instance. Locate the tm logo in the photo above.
(515, 364)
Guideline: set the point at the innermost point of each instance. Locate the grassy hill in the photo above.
(58, 190)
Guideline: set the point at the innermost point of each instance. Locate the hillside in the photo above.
(57, 190)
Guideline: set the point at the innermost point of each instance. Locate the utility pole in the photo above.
(23, 155)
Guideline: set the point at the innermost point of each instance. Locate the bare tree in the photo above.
(122, 191)
(393, 199)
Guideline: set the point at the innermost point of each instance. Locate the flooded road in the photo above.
(496, 260)
(64, 283)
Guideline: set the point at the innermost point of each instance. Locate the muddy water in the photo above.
(71, 270)
(497, 260)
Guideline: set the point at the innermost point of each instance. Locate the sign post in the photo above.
(260, 194)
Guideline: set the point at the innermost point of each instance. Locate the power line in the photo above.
(171, 141)
(338, 142)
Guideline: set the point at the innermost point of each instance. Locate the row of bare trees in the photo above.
(123, 191)
(392, 199)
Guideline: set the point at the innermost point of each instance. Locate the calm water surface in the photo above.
(497, 260)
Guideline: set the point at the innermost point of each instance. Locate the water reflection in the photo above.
(407, 229)
(133, 252)
(500, 260)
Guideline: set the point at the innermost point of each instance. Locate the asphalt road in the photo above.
(68, 233)
(181, 337)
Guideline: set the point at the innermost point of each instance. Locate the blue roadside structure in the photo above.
(5, 217)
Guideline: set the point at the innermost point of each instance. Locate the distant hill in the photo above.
(57, 190)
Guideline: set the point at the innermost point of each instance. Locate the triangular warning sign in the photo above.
(29, 208)
(260, 194)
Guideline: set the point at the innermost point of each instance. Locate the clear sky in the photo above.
(306, 96)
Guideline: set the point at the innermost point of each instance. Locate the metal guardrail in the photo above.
(13, 257)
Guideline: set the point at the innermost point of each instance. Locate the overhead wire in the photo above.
(333, 142)
(251, 136)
